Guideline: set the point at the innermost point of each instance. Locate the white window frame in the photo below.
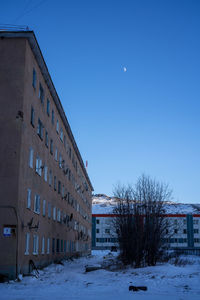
(28, 202)
(57, 126)
(27, 243)
(61, 134)
(31, 153)
(43, 245)
(37, 204)
(35, 244)
(38, 166)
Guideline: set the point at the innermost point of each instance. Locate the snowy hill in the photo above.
(103, 204)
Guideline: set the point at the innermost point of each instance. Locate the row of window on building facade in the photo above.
(167, 240)
(57, 215)
(80, 188)
(57, 245)
(57, 185)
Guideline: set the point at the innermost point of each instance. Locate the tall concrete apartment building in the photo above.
(45, 191)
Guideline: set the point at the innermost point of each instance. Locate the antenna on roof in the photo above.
(12, 27)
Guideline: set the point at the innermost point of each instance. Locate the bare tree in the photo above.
(139, 221)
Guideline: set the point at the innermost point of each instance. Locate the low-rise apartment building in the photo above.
(183, 232)
(45, 191)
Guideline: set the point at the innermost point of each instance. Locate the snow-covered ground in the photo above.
(165, 281)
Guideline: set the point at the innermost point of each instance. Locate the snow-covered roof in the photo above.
(103, 204)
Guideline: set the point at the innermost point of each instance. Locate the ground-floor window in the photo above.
(65, 246)
(57, 245)
(43, 245)
(53, 245)
(48, 245)
(35, 244)
(27, 243)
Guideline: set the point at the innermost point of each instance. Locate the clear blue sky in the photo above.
(144, 120)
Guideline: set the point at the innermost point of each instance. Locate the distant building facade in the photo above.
(184, 227)
(45, 191)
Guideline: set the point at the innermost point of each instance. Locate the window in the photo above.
(54, 213)
(48, 107)
(56, 154)
(60, 160)
(44, 208)
(31, 157)
(40, 129)
(58, 215)
(50, 178)
(43, 245)
(34, 79)
(63, 191)
(70, 152)
(27, 244)
(59, 187)
(65, 248)
(49, 210)
(97, 221)
(41, 94)
(51, 146)
(28, 203)
(52, 116)
(184, 231)
(107, 230)
(37, 204)
(97, 230)
(61, 246)
(38, 166)
(48, 245)
(46, 139)
(53, 245)
(32, 117)
(196, 230)
(57, 126)
(35, 244)
(196, 222)
(175, 230)
(55, 183)
(57, 245)
(45, 173)
(61, 134)
(197, 240)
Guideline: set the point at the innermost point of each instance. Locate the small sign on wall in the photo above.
(7, 231)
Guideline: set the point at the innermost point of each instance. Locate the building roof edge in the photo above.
(30, 36)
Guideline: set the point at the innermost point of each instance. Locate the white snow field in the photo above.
(165, 281)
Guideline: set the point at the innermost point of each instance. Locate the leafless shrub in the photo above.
(139, 224)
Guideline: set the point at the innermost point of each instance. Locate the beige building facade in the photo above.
(45, 191)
